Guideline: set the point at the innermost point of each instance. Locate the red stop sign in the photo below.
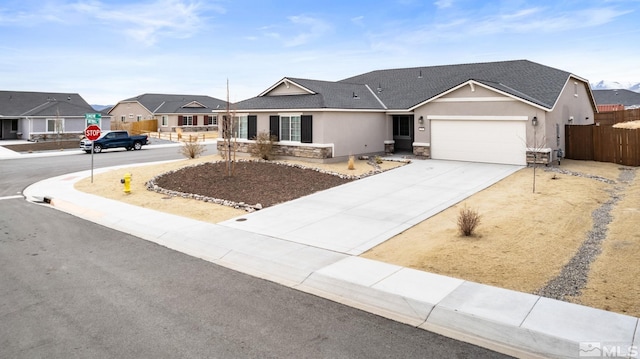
(92, 132)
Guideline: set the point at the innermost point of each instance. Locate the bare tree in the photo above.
(536, 149)
(229, 136)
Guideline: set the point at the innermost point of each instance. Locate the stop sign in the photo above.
(92, 132)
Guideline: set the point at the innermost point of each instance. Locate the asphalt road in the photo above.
(71, 288)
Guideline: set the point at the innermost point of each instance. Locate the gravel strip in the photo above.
(573, 277)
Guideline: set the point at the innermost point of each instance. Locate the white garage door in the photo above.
(479, 140)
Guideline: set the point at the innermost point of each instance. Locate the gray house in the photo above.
(39, 116)
(498, 112)
(627, 98)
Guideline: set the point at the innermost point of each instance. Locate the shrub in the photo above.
(351, 165)
(378, 160)
(263, 147)
(468, 220)
(191, 148)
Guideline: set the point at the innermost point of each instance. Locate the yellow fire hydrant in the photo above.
(127, 182)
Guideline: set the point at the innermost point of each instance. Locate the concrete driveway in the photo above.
(357, 216)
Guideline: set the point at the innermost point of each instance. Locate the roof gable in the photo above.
(164, 103)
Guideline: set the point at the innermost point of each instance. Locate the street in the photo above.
(71, 288)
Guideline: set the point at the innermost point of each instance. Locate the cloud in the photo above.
(443, 4)
(311, 28)
(148, 22)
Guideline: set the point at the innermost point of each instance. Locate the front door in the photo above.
(403, 132)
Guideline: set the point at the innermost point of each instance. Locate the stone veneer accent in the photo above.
(422, 150)
(542, 155)
(50, 137)
(295, 150)
(389, 147)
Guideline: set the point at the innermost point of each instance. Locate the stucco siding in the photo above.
(568, 106)
(480, 102)
(131, 111)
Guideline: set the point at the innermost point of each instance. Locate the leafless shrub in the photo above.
(263, 148)
(351, 165)
(192, 148)
(468, 220)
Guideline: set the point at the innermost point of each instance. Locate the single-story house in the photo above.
(616, 100)
(188, 112)
(498, 112)
(38, 116)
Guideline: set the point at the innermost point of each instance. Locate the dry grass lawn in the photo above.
(523, 241)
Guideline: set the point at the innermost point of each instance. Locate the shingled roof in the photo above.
(42, 104)
(323, 94)
(164, 103)
(406, 88)
(627, 98)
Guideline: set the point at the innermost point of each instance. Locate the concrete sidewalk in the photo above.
(514, 323)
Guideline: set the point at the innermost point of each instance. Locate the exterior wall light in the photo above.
(534, 121)
(421, 120)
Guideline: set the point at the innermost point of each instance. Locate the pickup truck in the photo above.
(114, 139)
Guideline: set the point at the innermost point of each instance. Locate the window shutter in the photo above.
(252, 127)
(180, 120)
(274, 126)
(195, 120)
(306, 129)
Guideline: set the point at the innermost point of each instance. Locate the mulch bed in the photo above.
(252, 183)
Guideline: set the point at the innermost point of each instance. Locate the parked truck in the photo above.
(114, 139)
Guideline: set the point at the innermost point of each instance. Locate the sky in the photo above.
(108, 51)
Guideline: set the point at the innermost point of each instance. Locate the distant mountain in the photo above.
(100, 107)
(615, 85)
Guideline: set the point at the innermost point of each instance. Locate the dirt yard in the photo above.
(524, 239)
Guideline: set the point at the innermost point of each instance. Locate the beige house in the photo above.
(498, 112)
(188, 112)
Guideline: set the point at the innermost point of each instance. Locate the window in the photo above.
(402, 126)
(14, 125)
(55, 125)
(290, 128)
(575, 89)
(211, 120)
(131, 115)
(123, 118)
(165, 120)
(187, 120)
(138, 118)
(241, 126)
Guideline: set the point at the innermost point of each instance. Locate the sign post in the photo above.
(92, 132)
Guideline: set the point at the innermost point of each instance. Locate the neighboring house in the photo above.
(39, 116)
(498, 112)
(188, 112)
(616, 100)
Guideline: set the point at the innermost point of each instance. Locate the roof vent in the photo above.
(355, 97)
(68, 98)
(420, 74)
(379, 89)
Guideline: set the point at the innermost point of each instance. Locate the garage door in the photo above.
(479, 140)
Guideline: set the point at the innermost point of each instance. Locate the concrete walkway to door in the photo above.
(357, 216)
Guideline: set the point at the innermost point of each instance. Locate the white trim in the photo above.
(389, 142)
(286, 82)
(477, 118)
(481, 85)
(421, 144)
(476, 99)
(376, 96)
(307, 110)
(290, 114)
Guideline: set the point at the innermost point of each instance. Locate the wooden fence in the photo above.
(136, 128)
(613, 117)
(603, 144)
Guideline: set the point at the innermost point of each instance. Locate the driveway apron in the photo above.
(357, 216)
